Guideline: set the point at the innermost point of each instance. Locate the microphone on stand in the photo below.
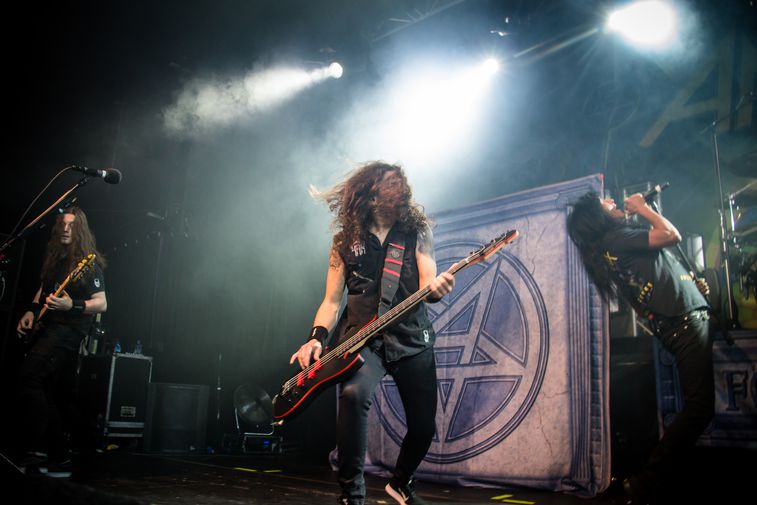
(656, 190)
(109, 175)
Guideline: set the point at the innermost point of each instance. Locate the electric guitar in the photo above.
(77, 273)
(344, 360)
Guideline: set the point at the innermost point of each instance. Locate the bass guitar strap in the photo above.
(390, 278)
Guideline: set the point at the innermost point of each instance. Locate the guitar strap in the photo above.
(390, 278)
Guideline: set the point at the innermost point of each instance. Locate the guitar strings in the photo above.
(397, 311)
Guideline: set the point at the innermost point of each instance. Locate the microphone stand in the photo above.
(66, 200)
(724, 239)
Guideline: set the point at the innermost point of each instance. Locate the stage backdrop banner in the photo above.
(522, 355)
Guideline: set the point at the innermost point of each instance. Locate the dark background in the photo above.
(215, 247)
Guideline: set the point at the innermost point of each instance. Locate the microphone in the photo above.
(659, 188)
(109, 175)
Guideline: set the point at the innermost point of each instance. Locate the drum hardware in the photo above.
(724, 239)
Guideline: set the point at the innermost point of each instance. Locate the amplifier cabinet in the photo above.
(113, 389)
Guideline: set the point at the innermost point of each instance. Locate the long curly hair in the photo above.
(354, 204)
(82, 243)
(587, 225)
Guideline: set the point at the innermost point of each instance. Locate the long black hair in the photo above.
(588, 223)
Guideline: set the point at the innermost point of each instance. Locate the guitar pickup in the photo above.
(316, 367)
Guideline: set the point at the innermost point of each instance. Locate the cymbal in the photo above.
(744, 165)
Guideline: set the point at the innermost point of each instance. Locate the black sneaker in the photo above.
(60, 470)
(404, 495)
(33, 463)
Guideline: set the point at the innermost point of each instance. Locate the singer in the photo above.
(633, 263)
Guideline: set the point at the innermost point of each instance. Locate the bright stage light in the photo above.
(490, 66)
(433, 112)
(336, 70)
(649, 23)
(205, 105)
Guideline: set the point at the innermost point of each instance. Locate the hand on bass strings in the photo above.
(62, 302)
(441, 285)
(25, 324)
(311, 348)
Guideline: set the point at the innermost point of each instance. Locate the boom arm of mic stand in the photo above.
(8, 243)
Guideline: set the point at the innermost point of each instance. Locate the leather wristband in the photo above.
(78, 306)
(319, 333)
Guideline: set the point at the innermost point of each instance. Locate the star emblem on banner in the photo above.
(491, 351)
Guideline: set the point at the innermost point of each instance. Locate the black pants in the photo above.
(691, 345)
(46, 389)
(416, 381)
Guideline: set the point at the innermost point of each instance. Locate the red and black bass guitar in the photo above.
(81, 268)
(342, 361)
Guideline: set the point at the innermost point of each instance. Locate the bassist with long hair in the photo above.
(382, 248)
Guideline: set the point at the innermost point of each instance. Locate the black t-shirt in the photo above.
(69, 329)
(364, 266)
(652, 280)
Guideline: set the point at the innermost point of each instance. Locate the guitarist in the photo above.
(374, 208)
(48, 373)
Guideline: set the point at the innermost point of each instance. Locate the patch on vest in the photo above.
(358, 248)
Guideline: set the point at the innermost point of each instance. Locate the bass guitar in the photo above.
(77, 273)
(338, 364)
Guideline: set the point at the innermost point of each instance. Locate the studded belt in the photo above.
(666, 324)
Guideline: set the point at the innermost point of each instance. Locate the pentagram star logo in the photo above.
(491, 353)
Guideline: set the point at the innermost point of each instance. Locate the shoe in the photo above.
(347, 501)
(61, 470)
(404, 495)
(33, 463)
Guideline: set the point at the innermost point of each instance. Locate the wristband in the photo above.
(433, 299)
(319, 333)
(78, 306)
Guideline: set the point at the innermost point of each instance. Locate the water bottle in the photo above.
(138, 347)
(117, 347)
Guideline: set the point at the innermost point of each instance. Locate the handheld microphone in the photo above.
(657, 189)
(109, 175)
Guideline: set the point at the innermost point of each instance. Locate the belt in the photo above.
(665, 324)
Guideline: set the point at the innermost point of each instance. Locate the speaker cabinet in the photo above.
(176, 418)
(633, 411)
(113, 393)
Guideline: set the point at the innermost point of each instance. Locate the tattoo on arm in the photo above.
(426, 242)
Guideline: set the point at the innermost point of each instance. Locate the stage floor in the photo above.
(127, 477)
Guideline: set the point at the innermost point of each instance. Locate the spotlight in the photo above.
(490, 66)
(336, 70)
(649, 23)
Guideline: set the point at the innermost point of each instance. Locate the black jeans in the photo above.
(690, 343)
(415, 377)
(46, 393)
